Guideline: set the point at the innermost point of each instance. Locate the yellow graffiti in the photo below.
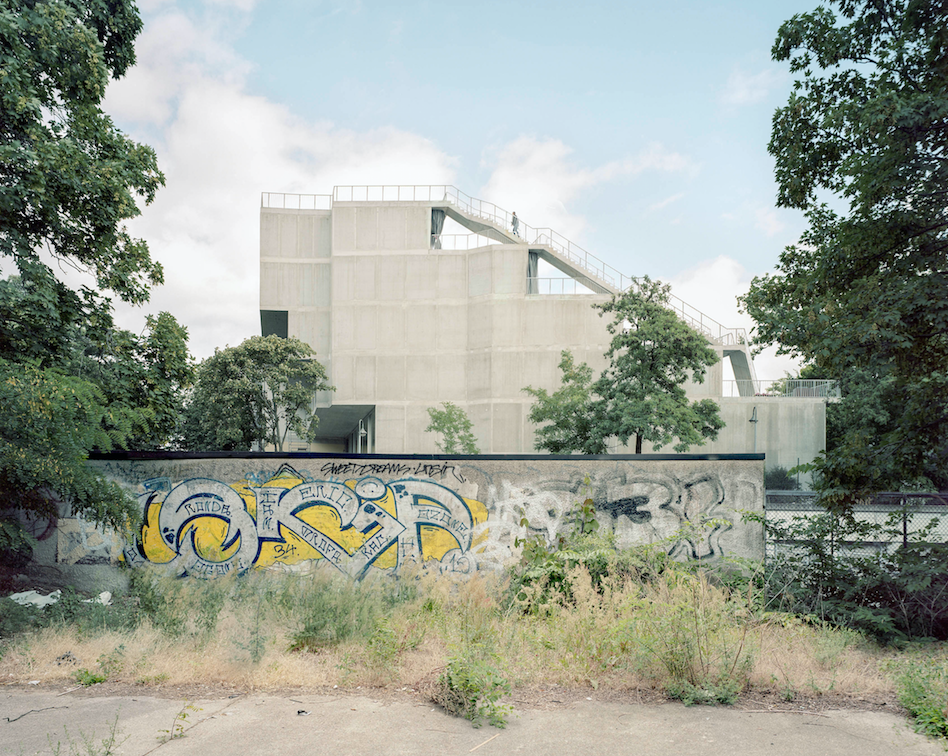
(210, 533)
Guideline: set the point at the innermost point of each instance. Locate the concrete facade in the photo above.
(208, 516)
(405, 317)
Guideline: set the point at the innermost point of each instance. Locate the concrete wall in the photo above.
(402, 327)
(207, 517)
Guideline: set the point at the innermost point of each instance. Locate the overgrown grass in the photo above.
(923, 691)
(631, 621)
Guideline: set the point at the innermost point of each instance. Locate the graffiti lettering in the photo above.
(357, 469)
(207, 525)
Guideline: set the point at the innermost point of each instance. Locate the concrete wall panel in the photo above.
(479, 273)
(391, 327)
(421, 280)
(367, 229)
(322, 235)
(364, 380)
(452, 275)
(393, 228)
(480, 329)
(506, 427)
(289, 229)
(366, 328)
(421, 328)
(392, 277)
(452, 377)
(390, 384)
(390, 427)
(362, 514)
(269, 234)
(479, 376)
(422, 379)
(343, 230)
(312, 326)
(451, 324)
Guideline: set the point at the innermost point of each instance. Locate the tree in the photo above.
(253, 394)
(570, 423)
(455, 428)
(68, 178)
(779, 479)
(70, 382)
(139, 378)
(640, 394)
(864, 290)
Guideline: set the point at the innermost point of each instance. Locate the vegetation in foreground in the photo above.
(577, 613)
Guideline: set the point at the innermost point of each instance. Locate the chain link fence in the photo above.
(878, 526)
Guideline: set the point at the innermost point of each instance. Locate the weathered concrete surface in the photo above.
(340, 725)
(208, 516)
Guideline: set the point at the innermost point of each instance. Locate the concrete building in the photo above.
(417, 295)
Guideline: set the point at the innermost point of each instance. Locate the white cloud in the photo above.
(662, 204)
(219, 148)
(712, 287)
(746, 89)
(765, 218)
(767, 221)
(536, 178)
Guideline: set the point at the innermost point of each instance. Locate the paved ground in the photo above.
(35, 721)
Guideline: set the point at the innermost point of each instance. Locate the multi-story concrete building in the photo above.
(405, 314)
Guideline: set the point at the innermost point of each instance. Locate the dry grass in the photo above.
(621, 638)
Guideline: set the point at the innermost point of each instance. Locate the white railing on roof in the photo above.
(785, 387)
(546, 237)
(284, 201)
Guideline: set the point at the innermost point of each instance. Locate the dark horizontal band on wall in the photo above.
(131, 455)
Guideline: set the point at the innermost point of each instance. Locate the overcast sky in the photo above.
(637, 130)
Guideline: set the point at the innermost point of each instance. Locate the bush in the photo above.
(471, 687)
(779, 479)
(691, 637)
(923, 691)
(893, 596)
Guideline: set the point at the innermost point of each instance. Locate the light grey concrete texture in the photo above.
(456, 515)
(340, 725)
(403, 324)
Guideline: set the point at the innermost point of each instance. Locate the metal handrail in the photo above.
(787, 387)
(452, 242)
(285, 201)
(557, 285)
(546, 237)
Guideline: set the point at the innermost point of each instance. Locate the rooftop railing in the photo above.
(784, 387)
(501, 218)
(284, 201)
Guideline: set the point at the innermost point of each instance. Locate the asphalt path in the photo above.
(36, 721)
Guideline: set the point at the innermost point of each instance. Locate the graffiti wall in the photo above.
(209, 517)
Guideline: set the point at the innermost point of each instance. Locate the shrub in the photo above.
(923, 691)
(893, 595)
(471, 687)
(691, 637)
(779, 479)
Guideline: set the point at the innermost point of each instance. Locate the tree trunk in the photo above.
(638, 444)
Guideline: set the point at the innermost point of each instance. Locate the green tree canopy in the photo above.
(68, 178)
(455, 428)
(640, 394)
(867, 125)
(253, 394)
(70, 382)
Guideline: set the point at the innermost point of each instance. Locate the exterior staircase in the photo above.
(491, 221)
